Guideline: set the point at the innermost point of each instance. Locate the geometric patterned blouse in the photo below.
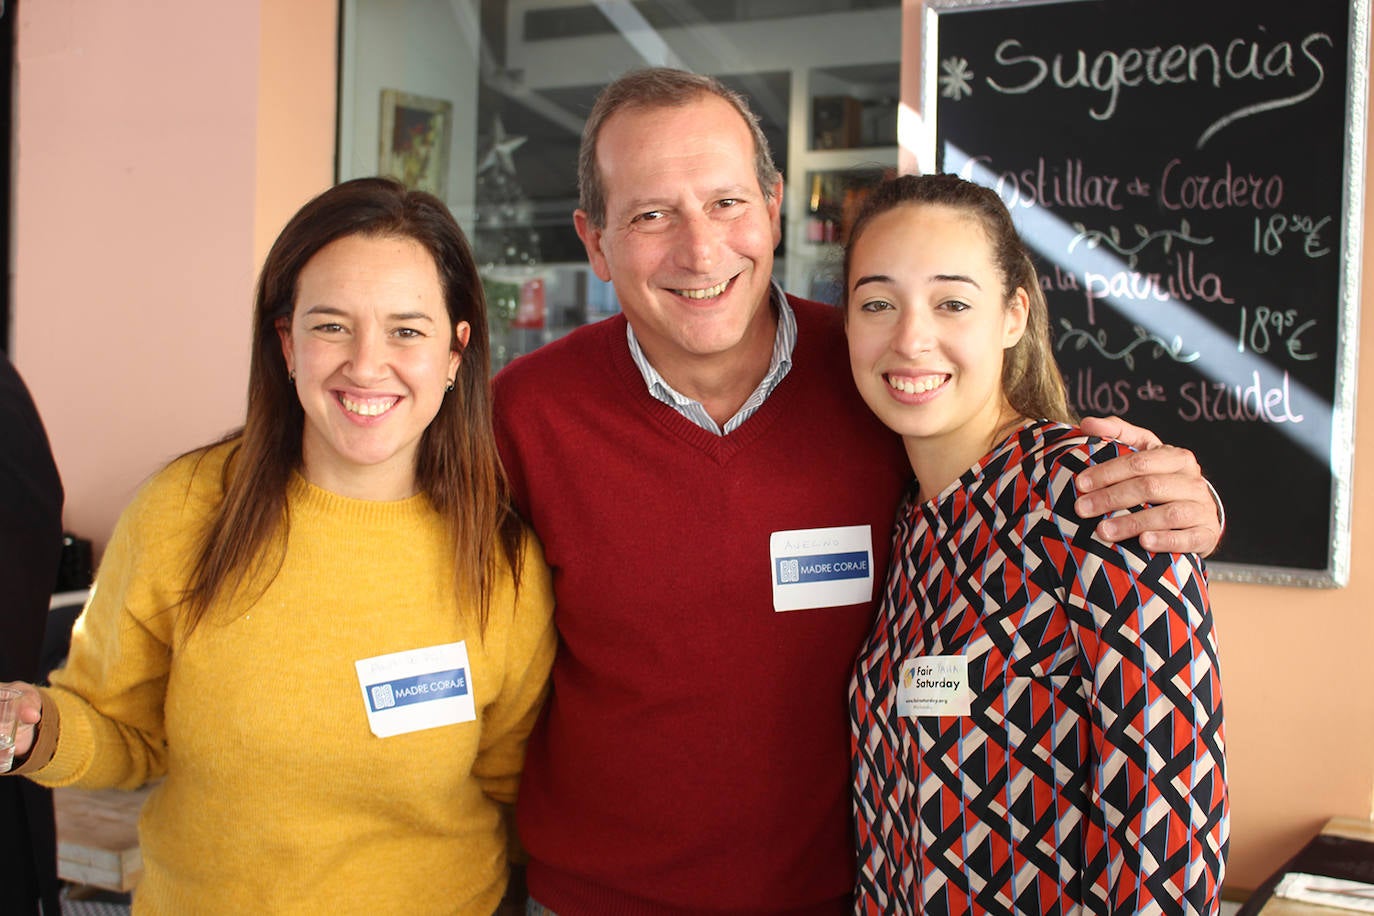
(1080, 768)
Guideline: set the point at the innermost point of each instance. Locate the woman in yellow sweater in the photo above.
(328, 635)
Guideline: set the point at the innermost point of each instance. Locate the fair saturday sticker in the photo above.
(934, 685)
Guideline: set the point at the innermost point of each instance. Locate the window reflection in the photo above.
(483, 103)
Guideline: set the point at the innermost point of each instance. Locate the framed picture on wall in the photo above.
(414, 137)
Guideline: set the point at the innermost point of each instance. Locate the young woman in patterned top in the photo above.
(1036, 715)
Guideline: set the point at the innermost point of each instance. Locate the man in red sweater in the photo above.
(716, 504)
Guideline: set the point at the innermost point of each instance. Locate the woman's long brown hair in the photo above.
(457, 464)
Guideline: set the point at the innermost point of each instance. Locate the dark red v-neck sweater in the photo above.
(694, 754)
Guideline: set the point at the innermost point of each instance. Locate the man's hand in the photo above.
(1181, 514)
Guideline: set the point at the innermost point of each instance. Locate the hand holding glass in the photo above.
(12, 699)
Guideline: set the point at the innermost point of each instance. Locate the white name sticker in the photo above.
(419, 689)
(821, 567)
(934, 685)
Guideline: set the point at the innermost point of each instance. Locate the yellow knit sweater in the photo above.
(276, 796)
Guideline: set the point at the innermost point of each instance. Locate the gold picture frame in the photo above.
(414, 141)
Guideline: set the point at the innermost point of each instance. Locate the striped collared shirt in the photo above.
(778, 367)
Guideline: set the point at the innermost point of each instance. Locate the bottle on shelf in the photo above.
(822, 212)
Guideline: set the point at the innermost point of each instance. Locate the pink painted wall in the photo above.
(297, 106)
(153, 155)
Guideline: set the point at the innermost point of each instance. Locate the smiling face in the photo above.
(689, 236)
(928, 323)
(372, 350)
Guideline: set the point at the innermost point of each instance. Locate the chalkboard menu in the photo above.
(1189, 174)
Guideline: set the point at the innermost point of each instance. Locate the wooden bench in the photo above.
(97, 836)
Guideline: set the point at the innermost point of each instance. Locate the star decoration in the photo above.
(502, 146)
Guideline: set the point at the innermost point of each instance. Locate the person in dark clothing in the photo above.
(30, 549)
